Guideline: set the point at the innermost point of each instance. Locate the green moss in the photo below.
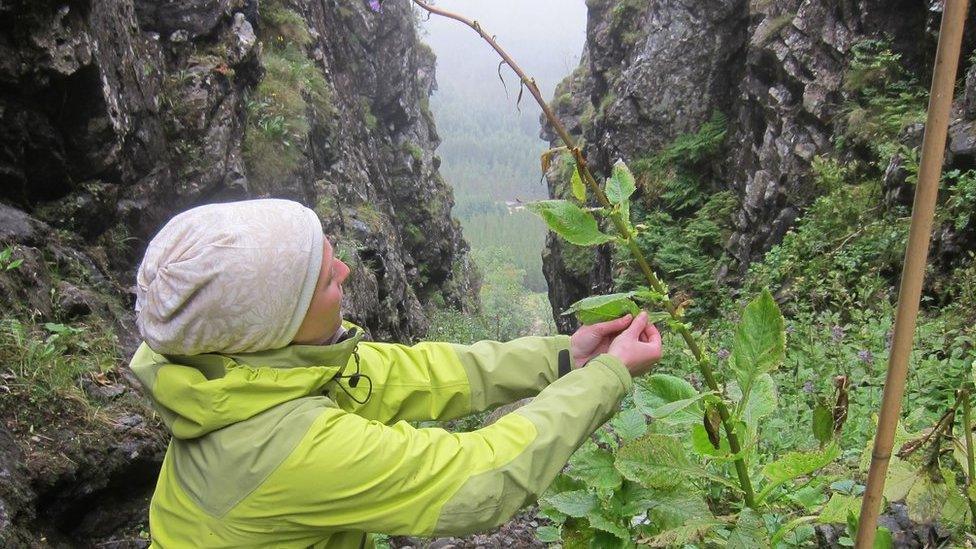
(414, 150)
(279, 108)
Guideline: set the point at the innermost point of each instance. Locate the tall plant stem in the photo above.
(625, 233)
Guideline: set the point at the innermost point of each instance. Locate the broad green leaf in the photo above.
(547, 534)
(604, 540)
(629, 424)
(760, 341)
(621, 184)
(600, 308)
(883, 538)
(654, 391)
(749, 532)
(762, 401)
(797, 464)
(689, 532)
(838, 508)
(633, 499)
(901, 477)
(570, 222)
(823, 424)
(660, 461)
(677, 406)
(926, 499)
(956, 509)
(600, 522)
(674, 509)
(577, 503)
(578, 187)
(577, 534)
(593, 466)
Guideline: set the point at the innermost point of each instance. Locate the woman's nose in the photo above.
(343, 270)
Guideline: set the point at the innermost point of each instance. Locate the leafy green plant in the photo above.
(7, 263)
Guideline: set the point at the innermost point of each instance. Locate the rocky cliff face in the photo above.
(653, 71)
(116, 115)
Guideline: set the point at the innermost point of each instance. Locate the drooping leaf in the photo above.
(593, 466)
(679, 536)
(760, 341)
(629, 424)
(838, 508)
(577, 186)
(823, 424)
(570, 222)
(621, 184)
(575, 503)
(654, 391)
(600, 308)
(749, 532)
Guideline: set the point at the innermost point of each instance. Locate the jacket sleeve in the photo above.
(350, 473)
(441, 381)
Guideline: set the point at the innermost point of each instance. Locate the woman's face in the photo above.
(324, 314)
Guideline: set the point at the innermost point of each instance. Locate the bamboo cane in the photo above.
(916, 257)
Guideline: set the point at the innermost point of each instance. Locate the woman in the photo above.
(289, 430)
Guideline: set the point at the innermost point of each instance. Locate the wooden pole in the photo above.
(916, 257)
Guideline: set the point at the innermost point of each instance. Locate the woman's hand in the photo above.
(590, 341)
(638, 347)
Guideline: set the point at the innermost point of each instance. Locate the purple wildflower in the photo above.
(723, 354)
(376, 5)
(865, 356)
(808, 387)
(837, 334)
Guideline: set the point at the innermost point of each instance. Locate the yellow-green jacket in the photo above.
(269, 451)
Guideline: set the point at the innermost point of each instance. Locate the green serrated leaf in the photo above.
(660, 461)
(547, 534)
(578, 187)
(823, 424)
(658, 390)
(762, 401)
(797, 464)
(594, 467)
(760, 341)
(629, 424)
(570, 222)
(883, 538)
(749, 532)
(598, 521)
(575, 503)
(926, 499)
(672, 408)
(621, 184)
(689, 532)
(601, 308)
(838, 508)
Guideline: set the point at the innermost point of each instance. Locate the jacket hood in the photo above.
(198, 394)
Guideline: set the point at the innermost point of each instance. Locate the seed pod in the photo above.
(712, 421)
(841, 404)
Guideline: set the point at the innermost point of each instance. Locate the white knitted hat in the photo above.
(229, 278)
